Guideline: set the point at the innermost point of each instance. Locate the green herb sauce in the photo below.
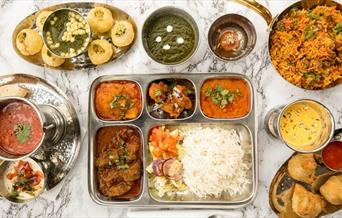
(57, 31)
(170, 46)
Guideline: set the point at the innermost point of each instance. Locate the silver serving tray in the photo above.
(145, 122)
(57, 159)
(81, 61)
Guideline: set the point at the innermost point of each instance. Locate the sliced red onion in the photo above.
(157, 166)
(173, 168)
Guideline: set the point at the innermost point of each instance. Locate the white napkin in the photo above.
(141, 213)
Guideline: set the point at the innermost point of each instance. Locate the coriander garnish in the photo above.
(123, 102)
(338, 28)
(221, 96)
(158, 93)
(309, 32)
(22, 132)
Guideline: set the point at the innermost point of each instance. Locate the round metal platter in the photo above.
(81, 61)
(281, 188)
(56, 159)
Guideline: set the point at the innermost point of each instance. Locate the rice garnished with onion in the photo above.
(214, 162)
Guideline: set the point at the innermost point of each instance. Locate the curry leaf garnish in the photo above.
(314, 16)
(280, 26)
(221, 96)
(22, 132)
(122, 167)
(309, 32)
(189, 92)
(158, 93)
(338, 28)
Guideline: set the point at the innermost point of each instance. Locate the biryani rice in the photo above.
(306, 47)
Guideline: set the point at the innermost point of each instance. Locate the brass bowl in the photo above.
(45, 30)
(241, 26)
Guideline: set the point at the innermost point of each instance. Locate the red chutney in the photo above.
(332, 155)
(21, 129)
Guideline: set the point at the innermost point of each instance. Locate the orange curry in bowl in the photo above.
(225, 98)
(118, 100)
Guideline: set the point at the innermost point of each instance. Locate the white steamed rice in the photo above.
(214, 162)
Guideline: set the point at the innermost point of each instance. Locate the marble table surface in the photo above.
(73, 200)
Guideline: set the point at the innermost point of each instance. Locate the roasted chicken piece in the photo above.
(302, 167)
(107, 158)
(110, 174)
(111, 189)
(158, 92)
(332, 190)
(132, 173)
(119, 189)
(177, 102)
(305, 203)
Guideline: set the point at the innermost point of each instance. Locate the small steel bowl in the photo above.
(327, 117)
(170, 10)
(241, 26)
(66, 10)
(4, 192)
(7, 100)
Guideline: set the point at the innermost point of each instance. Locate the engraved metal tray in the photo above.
(245, 126)
(81, 61)
(55, 159)
(281, 188)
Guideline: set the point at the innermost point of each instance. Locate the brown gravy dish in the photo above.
(118, 162)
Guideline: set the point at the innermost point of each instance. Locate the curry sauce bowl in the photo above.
(157, 88)
(226, 97)
(170, 36)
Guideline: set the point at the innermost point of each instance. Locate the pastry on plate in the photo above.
(100, 19)
(51, 59)
(29, 42)
(122, 33)
(332, 190)
(100, 51)
(302, 168)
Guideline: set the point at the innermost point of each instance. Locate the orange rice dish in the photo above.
(306, 47)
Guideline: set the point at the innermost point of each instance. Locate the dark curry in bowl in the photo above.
(119, 162)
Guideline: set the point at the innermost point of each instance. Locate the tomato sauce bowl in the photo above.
(23, 128)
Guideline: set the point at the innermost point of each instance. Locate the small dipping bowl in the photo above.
(177, 35)
(231, 37)
(56, 28)
(7, 156)
(293, 118)
(5, 185)
(332, 155)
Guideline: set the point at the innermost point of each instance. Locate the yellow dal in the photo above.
(300, 126)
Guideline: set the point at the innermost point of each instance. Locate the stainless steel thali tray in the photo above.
(56, 159)
(81, 61)
(246, 126)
